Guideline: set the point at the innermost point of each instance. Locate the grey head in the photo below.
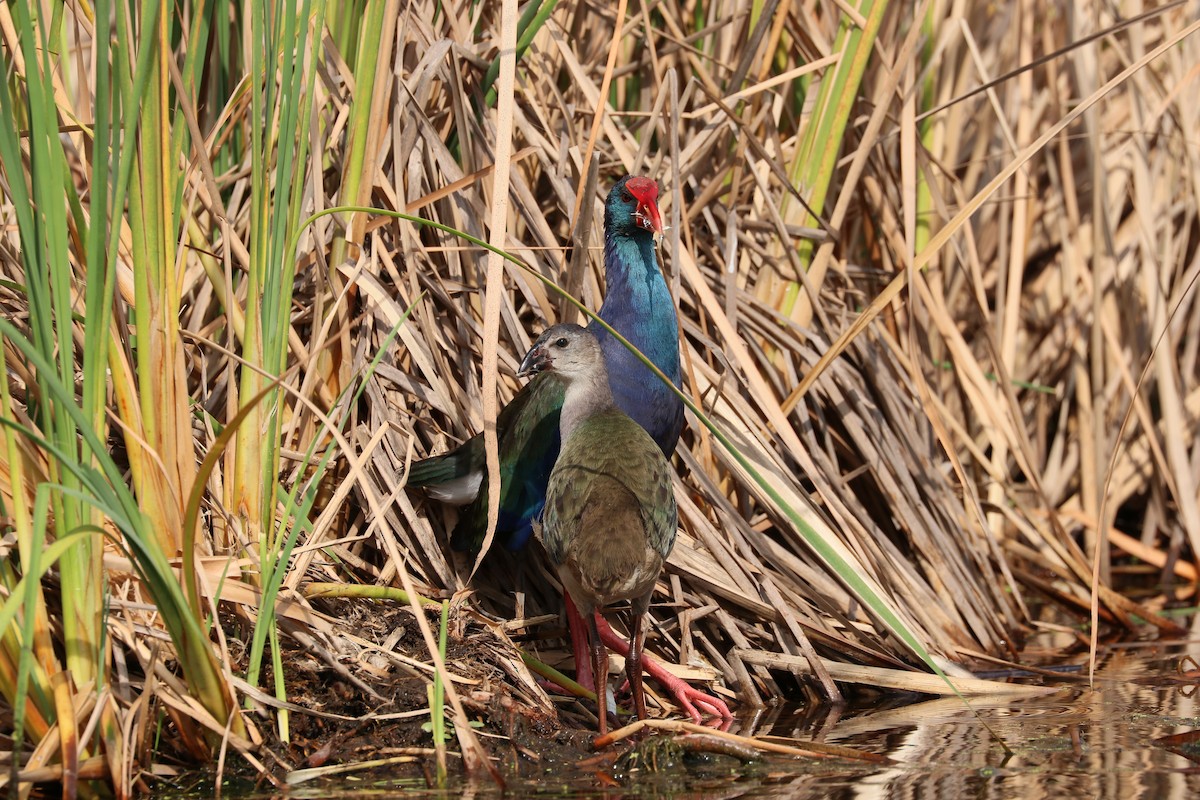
(569, 351)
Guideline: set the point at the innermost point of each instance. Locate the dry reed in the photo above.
(1028, 384)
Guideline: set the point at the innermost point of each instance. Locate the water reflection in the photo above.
(1133, 735)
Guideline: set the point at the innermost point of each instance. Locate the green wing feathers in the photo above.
(527, 429)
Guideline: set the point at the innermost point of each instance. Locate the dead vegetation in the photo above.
(973, 374)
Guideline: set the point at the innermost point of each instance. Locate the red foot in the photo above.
(695, 702)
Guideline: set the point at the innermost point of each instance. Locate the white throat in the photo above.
(584, 396)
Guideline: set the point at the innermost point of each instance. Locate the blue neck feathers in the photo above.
(639, 305)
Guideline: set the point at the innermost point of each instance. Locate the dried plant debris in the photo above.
(958, 363)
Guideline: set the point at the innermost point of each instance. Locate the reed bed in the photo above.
(936, 273)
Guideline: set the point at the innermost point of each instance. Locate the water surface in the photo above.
(1110, 740)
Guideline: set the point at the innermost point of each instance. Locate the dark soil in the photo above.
(525, 743)
(361, 705)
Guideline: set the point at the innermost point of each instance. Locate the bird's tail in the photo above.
(436, 470)
(450, 478)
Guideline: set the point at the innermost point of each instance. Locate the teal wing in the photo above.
(527, 431)
(459, 463)
(532, 402)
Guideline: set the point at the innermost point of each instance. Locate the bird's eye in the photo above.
(627, 197)
(562, 342)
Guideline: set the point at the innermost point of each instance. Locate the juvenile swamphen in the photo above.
(610, 517)
(639, 306)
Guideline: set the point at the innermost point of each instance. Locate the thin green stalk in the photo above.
(367, 68)
(44, 225)
(282, 77)
(437, 703)
(282, 47)
(551, 674)
(48, 286)
(532, 19)
(926, 129)
(368, 591)
(815, 160)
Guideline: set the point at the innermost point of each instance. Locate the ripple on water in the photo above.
(1101, 742)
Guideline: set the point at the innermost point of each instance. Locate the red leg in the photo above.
(685, 695)
(633, 667)
(600, 665)
(579, 645)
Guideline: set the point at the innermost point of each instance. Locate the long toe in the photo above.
(693, 701)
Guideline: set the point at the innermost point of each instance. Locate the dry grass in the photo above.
(955, 541)
(1029, 383)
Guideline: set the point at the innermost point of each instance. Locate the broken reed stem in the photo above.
(743, 743)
